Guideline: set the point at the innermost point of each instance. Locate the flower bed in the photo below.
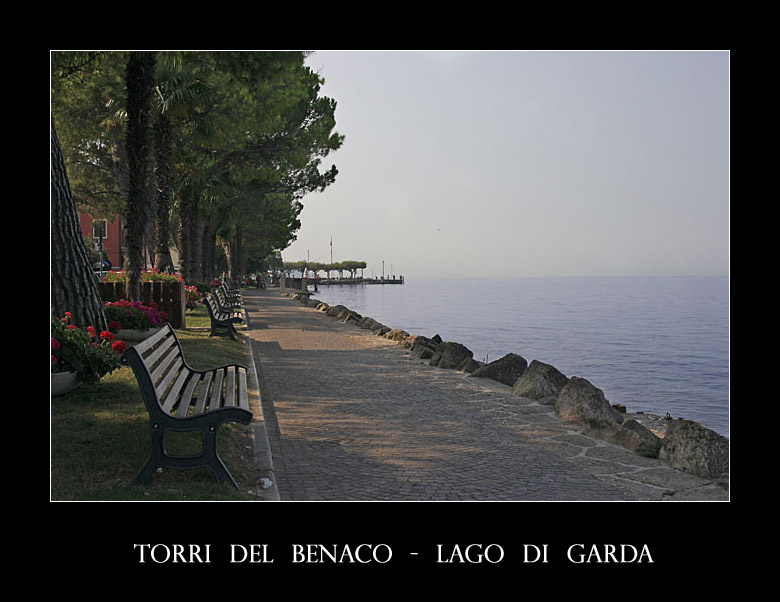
(165, 289)
(193, 296)
(132, 315)
(83, 351)
(150, 275)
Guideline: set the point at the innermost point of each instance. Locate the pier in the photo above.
(311, 270)
(355, 281)
(294, 283)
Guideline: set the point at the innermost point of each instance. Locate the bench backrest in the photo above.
(228, 295)
(212, 306)
(221, 296)
(160, 368)
(171, 388)
(219, 306)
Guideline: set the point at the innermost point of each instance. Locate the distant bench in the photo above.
(228, 299)
(223, 318)
(231, 291)
(179, 398)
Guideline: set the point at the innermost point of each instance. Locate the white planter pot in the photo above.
(134, 335)
(63, 382)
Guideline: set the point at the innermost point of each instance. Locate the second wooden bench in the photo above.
(222, 319)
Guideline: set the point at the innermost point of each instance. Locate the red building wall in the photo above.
(112, 237)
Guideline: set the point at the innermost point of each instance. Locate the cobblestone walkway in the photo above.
(352, 416)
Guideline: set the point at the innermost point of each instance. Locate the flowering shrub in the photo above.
(193, 296)
(146, 276)
(83, 351)
(133, 315)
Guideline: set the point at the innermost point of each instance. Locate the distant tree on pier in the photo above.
(293, 266)
(341, 266)
(316, 267)
(352, 267)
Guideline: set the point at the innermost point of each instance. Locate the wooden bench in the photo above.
(231, 290)
(228, 300)
(222, 319)
(179, 398)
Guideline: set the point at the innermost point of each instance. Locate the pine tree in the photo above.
(73, 283)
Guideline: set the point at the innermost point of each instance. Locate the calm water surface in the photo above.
(653, 344)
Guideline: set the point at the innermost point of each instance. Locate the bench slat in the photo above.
(243, 396)
(200, 406)
(186, 398)
(173, 393)
(230, 388)
(151, 341)
(216, 391)
(162, 384)
(168, 350)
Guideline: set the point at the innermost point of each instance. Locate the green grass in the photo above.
(198, 317)
(100, 437)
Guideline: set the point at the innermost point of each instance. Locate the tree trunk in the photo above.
(140, 86)
(209, 241)
(227, 248)
(188, 213)
(163, 153)
(198, 233)
(118, 154)
(73, 285)
(239, 253)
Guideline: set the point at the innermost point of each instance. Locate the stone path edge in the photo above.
(266, 488)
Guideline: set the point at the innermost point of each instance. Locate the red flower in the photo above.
(107, 336)
(119, 346)
(91, 331)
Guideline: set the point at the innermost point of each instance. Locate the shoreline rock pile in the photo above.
(685, 445)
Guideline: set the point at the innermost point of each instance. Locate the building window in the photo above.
(99, 229)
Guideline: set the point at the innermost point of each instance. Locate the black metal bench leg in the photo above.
(214, 326)
(145, 474)
(155, 456)
(208, 458)
(229, 330)
(216, 464)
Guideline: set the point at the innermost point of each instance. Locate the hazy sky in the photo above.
(525, 164)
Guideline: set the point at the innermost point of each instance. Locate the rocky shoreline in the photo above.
(684, 444)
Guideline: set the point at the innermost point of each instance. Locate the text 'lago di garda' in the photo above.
(475, 553)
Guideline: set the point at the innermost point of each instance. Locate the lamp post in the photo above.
(99, 243)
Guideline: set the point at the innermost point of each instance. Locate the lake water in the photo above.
(658, 345)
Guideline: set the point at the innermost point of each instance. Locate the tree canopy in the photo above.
(237, 140)
(349, 265)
